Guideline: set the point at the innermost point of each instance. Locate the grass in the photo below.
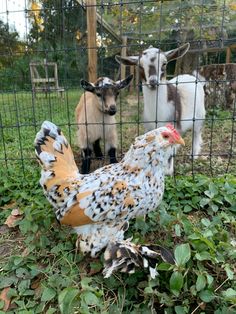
(41, 272)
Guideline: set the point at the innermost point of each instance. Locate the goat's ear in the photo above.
(124, 83)
(177, 53)
(131, 60)
(89, 87)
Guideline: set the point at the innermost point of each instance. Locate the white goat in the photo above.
(180, 100)
(95, 118)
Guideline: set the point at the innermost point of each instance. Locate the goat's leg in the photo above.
(197, 139)
(97, 149)
(86, 160)
(111, 143)
(112, 155)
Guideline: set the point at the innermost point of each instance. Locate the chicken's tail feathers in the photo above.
(55, 155)
(126, 257)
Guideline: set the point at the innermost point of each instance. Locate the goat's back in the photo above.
(192, 99)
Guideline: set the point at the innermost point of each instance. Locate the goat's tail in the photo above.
(126, 257)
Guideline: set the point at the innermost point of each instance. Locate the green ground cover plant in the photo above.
(41, 270)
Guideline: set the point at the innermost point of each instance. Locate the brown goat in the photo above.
(95, 117)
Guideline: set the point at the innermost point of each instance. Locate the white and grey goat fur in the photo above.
(95, 118)
(179, 100)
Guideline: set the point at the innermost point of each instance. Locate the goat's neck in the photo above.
(150, 95)
(154, 102)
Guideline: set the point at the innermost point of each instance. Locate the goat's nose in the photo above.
(112, 110)
(153, 82)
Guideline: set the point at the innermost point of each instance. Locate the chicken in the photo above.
(99, 205)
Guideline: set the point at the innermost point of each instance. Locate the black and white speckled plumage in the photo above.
(99, 205)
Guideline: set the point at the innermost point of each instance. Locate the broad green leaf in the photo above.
(8, 281)
(67, 300)
(204, 201)
(229, 272)
(176, 282)
(23, 285)
(187, 209)
(201, 282)
(210, 279)
(214, 207)
(229, 293)
(48, 294)
(203, 256)
(90, 298)
(164, 266)
(148, 290)
(182, 254)
(206, 295)
(180, 309)
(2, 304)
(205, 221)
(22, 272)
(51, 310)
(177, 230)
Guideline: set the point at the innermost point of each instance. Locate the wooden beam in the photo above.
(123, 54)
(228, 55)
(91, 40)
(103, 23)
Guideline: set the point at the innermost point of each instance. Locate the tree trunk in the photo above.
(187, 64)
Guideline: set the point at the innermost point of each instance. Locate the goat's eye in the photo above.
(164, 65)
(144, 53)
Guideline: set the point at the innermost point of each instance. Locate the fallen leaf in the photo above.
(4, 297)
(25, 252)
(12, 219)
(9, 205)
(4, 229)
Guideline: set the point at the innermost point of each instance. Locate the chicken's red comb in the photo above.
(172, 128)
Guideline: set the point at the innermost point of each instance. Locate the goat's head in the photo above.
(152, 63)
(106, 91)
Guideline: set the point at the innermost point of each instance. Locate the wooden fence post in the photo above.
(92, 46)
(123, 54)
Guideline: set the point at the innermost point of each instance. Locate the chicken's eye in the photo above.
(165, 136)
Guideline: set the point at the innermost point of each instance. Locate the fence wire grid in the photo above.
(44, 54)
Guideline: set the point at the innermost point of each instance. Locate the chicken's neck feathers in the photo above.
(149, 157)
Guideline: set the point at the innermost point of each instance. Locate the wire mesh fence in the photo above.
(45, 32)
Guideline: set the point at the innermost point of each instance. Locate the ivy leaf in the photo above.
(176, 283)
(67, 300)
(201, 282)
(206, 296)
(179, 309)
(203, 256)
(182, 254)
(229, 294)
(229, 272)
(177, 230)
(90, 298)
(48, 294)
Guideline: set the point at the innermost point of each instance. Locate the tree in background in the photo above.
(9, 45)
(57, 28)
(167, 24)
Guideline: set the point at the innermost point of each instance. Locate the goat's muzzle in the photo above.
(153, 83)
(112, 110)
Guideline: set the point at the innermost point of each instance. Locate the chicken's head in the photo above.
(162, 137)
(170, 136)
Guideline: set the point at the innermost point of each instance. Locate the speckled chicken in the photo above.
(99, 205)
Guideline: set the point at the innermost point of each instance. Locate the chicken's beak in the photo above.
(180, 141)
